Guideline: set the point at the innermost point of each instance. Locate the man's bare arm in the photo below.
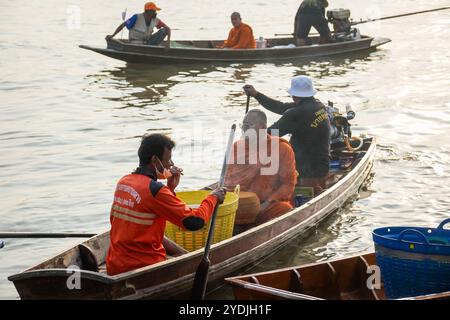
(119, 28)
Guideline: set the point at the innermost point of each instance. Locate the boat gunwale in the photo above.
(364, 38)
(146, 54)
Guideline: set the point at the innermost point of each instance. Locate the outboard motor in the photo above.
(343, 31)
(341, 133)
(340, 18)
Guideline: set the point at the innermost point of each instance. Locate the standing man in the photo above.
(240, 36)
(142, 205)
(141, 27)
(311, 13)
(306, 119)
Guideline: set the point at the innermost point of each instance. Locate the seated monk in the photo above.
(272, 176)
(240, 36)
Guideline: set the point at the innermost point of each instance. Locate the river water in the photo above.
(71, 119)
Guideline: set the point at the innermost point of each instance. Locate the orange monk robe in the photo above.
(240, 38)
(278, 187)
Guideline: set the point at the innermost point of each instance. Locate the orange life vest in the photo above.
(139, 212)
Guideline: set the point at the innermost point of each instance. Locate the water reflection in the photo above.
(322, 67)
(337, 236)
(328, 74)
(140, 85)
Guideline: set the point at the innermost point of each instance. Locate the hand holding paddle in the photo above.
(220, 194)
(250, 90)
(247, 105)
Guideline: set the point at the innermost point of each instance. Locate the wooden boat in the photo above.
(206, 51)
(343, 279)
(174, 277)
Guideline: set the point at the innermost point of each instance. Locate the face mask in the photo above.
(166, 174)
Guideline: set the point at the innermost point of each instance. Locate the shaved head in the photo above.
(236, 15)
(236, 19)
(256, 118)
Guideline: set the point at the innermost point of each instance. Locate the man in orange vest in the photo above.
(240, 36)
(142, 205)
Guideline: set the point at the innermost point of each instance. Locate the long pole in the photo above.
(378, 19)
(7, 235)
(248, 104)
(201, 276)
(400, 15)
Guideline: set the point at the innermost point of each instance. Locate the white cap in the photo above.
(302, 87)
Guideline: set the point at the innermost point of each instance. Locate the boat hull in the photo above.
(173, 278)
(351, 278)
(135, 53)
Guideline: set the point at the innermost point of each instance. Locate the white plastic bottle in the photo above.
(261, 43)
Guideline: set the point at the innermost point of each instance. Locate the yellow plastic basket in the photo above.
(224, 225)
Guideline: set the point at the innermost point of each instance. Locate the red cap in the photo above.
(151, 6)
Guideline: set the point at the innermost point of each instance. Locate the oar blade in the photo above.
(201, 280)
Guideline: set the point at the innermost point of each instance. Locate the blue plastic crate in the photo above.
(413, 260)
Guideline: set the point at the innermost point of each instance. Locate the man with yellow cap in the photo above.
(141, 27)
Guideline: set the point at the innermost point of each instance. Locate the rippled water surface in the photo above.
(71, 119)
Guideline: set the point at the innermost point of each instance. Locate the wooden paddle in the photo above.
(201, 276)
(248, 104)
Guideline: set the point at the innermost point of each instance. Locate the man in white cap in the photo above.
(307, 121)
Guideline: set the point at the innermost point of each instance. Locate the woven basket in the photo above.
(224, 225)
(413, 261)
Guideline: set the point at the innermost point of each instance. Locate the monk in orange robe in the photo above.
(240, 36)
(272, 180)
